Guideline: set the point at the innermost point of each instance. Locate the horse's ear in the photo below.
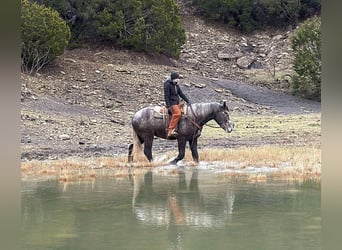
(225, 106)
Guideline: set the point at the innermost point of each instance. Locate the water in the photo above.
(185, 209)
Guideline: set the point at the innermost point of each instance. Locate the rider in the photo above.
(172, 92)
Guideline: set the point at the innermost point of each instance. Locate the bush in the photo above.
(306, 44)
(248, 15)
(142, 25)
(44, 36)
(234, 13)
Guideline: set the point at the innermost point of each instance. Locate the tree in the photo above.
(44, 36)
(306, 45)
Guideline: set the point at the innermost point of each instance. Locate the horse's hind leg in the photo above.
(148, 148)
(193, 147)
(130, 151)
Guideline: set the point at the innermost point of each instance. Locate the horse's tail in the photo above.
(135, 148)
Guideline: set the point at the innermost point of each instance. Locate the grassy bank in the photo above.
(298, 163)
(290, 145)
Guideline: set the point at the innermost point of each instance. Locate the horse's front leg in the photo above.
(193, 147)
(148, 148)
(130, 153)
(181, 151)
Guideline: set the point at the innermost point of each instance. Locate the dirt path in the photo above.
(276, 101)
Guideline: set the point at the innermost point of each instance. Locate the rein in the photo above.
(196, 124)
(212, 126)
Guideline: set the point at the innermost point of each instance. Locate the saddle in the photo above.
(160, 112)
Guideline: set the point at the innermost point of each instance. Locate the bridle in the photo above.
(212, 126)
(196, 124)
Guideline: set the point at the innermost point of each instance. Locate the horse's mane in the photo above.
(203, 109)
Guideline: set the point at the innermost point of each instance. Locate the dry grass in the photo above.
(298, 163)
(268, 155)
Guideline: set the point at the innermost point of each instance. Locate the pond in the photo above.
(181, 209)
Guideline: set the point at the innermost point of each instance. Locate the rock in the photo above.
(121, 70)
(224, 56)
(64, 137)
(256, 65)
(199, 85)
(245, 62)
(277, 37)
(108, 105)
(237, 54)
(69, 60)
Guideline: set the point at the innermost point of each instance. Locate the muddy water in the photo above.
(183, 209)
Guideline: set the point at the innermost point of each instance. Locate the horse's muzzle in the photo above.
(230, 127)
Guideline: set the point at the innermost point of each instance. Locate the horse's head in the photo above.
(223, 119)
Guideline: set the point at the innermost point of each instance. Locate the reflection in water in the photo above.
(187, 209)
(181, 205)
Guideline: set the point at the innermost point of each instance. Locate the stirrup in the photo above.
(173, 133)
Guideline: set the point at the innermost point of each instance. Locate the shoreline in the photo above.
(254, 163)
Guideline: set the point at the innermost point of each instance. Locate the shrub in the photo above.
(306, 44)
(142, 25)
(248, 15)
(44, 36)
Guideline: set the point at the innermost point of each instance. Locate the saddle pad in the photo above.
(161, 112)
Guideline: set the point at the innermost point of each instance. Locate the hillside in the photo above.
(81, 105)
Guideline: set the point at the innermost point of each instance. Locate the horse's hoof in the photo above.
(173, 162)
(130, 158)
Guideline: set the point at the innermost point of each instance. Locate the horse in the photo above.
(146, 125)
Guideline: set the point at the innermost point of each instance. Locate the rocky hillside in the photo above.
(83, 102)
(213, 51)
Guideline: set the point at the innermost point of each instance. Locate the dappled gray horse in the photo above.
(146, 125)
